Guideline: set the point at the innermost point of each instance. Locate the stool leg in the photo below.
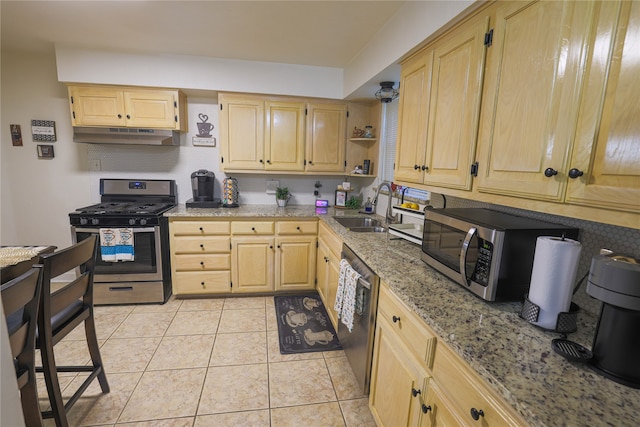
(94, 351)
(53, 386)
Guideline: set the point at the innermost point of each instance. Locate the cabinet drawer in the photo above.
(199, 245)
(331, 239)
(209, 282)
(467, 392)
(252, 227)
(415, 333)
(195, 228)
(203, 262)
(297, 227)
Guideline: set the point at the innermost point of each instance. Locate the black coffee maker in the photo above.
(203, 185)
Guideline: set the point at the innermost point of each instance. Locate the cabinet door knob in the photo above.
(201, 229)
(476, 413)
(395, 319)
(415, 392)
(128, 116)
(298, 228)
(425, 408)
(326, 259)
(269, 161)
(549, 172)
(202, 283)
(253, 229)
(310, 162)
(278, 246)
(575, 173)
(119, 116)
(261, 161)
(424, 167)
(201, 262)
(201, 245)
(416, 167)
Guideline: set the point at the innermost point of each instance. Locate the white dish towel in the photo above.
(108, 244)
(116, 244)
(124, 245)
(346, 296)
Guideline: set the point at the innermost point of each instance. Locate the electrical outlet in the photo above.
(271, 185)
(95, 165)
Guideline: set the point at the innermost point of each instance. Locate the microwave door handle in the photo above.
(463, 255)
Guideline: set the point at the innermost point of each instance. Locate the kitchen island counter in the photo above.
(514, 357)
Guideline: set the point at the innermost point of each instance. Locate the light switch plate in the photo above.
(271, 185)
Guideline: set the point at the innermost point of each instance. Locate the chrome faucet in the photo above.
(389, 218)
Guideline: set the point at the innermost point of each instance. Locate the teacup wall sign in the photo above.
(204, 128)
(204, 137)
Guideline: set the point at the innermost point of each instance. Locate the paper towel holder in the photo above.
(566, 323)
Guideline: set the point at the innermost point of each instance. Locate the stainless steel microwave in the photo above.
(489, 253)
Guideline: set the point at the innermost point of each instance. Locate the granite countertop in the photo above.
(513, 356)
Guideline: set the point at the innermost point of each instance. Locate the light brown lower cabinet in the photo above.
(328, 269)
(417, 380)
(212, 256)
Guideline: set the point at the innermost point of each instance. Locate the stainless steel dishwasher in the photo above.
(358, 344)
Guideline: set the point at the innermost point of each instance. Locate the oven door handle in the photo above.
(463, 256)
(97, 230)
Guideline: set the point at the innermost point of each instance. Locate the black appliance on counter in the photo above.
(614, 279)
(203, 187)
(138, 205)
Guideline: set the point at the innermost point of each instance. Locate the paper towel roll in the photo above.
(555, 264)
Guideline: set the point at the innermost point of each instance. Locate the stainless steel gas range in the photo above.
(137, 207)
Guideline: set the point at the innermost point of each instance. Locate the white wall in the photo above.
(38, 194)
(192, 72)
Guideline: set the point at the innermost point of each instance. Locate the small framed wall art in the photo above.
(43, 130)
(341, 198)
(45, 151)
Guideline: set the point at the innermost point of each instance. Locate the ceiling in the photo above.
(316, 33)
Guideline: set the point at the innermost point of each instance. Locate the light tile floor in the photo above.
(206, 362)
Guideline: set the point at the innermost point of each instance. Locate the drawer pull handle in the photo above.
(415, 392)
(201, 229)
(253, 229)
(202, 263)
(425, 408)
(202, 246)
(297, 228)
(476, 414)
(395, 319)
(201, 283)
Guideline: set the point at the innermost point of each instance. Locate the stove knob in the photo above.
(94, 221)
(132, 221)
(143, 221)
(83, 221)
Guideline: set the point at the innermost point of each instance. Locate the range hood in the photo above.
(126, 136)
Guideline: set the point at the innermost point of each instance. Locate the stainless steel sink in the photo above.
(361, 225)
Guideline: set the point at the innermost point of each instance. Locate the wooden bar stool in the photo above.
(20, 301)
(60, 313)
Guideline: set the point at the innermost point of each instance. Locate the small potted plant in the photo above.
(282, 196)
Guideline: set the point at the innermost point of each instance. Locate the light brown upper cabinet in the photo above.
(281, 134)
(284, 136)
(605, 166)
(241, 132)
(127, 107)
(326, 137)
(440, 108)
(531, 96)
